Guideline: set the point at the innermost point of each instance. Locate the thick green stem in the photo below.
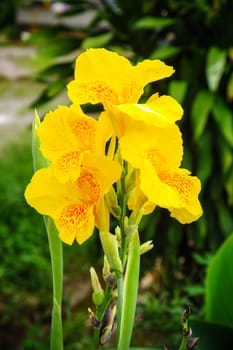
(130, 291)
(119, 303)
(55, 247)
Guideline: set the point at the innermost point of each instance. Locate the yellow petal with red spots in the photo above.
(106, 77)
(75, 221)
(65, 129)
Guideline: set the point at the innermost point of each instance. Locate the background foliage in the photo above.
(196, 38)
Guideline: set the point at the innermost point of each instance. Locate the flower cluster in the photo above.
(87, 156)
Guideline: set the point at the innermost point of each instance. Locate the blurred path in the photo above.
(17, 87)
(18, 90)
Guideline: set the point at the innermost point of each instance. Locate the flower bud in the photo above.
(145, 247)
(106, 268)
(39, 161)
(110, 247)
(112, 203)
(98, 293)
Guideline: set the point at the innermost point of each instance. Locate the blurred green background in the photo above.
(196, 38)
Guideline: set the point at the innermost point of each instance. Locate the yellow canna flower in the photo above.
(65, 135)
(157, 111)
(102, 76)
(161, 181)
(66, 128)
(72, 205)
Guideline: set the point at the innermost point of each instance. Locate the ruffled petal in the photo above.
(106, 77)
(75, 221)
(162, 147)
(66, 129)
(47, 195)
(187, 187)
(106, 170)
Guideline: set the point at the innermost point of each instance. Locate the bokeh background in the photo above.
(39, 41)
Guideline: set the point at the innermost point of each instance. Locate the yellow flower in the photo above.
(157, 154)
(65, 134)
(157, 111)
(102, 76)
(73, 205)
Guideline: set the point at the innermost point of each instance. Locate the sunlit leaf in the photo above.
(200, 111)
(205, 157)
(178, 89)
(230, 88)
(154, 23)
(225, 217)
(229, 187)
(224, 118)
(219, 286)
(96, 41)
(164, 52)
(58, 48)
(216, 60)
(194, 290)
(226, 155)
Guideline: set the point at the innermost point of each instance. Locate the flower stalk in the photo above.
(56, 255)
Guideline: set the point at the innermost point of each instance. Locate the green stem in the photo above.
(55, 247)
(183, 344)
(130, 291)
(123, 205)
(119, 279)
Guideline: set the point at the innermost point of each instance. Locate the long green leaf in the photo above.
(224, 118)
(219, 286)
(216, 61)
(164, 52)
(154, 23)
(178, 89)
(200, 111)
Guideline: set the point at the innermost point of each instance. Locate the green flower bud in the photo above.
(98, 293)
(145, 247)
(110, 247)
(39, 161)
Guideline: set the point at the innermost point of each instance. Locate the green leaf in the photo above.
(216, 61)
(165, 52)
(200, 111)
(205, 161)
(230, 88)
(177, 89)
(194, 290)
(212, 336)
(96, 41)
(229, 187)
(219, 286)
(153, 23)
(226, 156)
(57, 48)
(224, 118)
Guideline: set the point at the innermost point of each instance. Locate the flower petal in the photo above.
(188, 188)
(47, 195)
(67, 166)
(75, 221)
(106, 77)
(150, 70)
(106, 170)
(161, 146)
(66, 129)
